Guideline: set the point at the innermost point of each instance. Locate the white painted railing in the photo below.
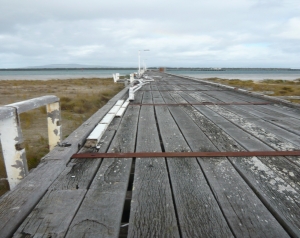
(116, 77)
(137, 84)
(11, 137)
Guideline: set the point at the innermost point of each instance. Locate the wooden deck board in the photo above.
(54, 213)
(279, 196)
(152, 202)
(194, 205)
(243, 210)
(102, 208)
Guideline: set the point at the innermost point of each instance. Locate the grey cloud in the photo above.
(212, 32)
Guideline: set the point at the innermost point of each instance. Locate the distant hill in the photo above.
(57, 66)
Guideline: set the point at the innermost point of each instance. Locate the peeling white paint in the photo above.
(269, 176)
(54, 127)
(272, 139)
(14, 158)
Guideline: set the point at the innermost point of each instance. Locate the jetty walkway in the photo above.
(195, 191)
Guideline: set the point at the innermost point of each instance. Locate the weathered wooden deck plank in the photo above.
(152, 202)
(253, 145)
(276, 141)
(290, 225)
(54, 213)
(243, 210)
(253, 108)
(287, 136)
(278, 195)
(196, 205)
(276, 111)
(198, 86)
(277, 108)
(287, 123)
(102, 208)
(52, 220)
(202, 97)
(18, 203)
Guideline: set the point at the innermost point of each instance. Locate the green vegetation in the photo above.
(79, 99)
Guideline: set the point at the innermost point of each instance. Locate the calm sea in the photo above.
(61, 74)
(244, 74)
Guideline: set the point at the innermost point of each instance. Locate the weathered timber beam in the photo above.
(34, 103)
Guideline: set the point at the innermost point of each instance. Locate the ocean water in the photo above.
(61, 74)
(243, 74)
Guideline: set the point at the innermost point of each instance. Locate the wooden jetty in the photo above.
(236, 194)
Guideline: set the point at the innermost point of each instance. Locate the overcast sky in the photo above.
(190, 33)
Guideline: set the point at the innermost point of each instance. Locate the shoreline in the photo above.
(54, 77)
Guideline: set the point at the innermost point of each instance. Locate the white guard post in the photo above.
(131, 94)
(11, 134)
(133, 89)
(11, 141)
(131, 78)
(116, 77)
(54, 127)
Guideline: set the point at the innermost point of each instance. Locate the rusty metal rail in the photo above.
(171, 90)
(186, 154)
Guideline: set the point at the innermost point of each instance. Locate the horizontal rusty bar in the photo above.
(200, 103)
(187, 154)
(171, 90)
(195, 84)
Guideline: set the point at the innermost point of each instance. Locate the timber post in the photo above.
(13, 151)
(54, 126)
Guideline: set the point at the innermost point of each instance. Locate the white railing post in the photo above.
(131, 78)
(13, 153)
(114, 77)
(54, 126)
(131, 94)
